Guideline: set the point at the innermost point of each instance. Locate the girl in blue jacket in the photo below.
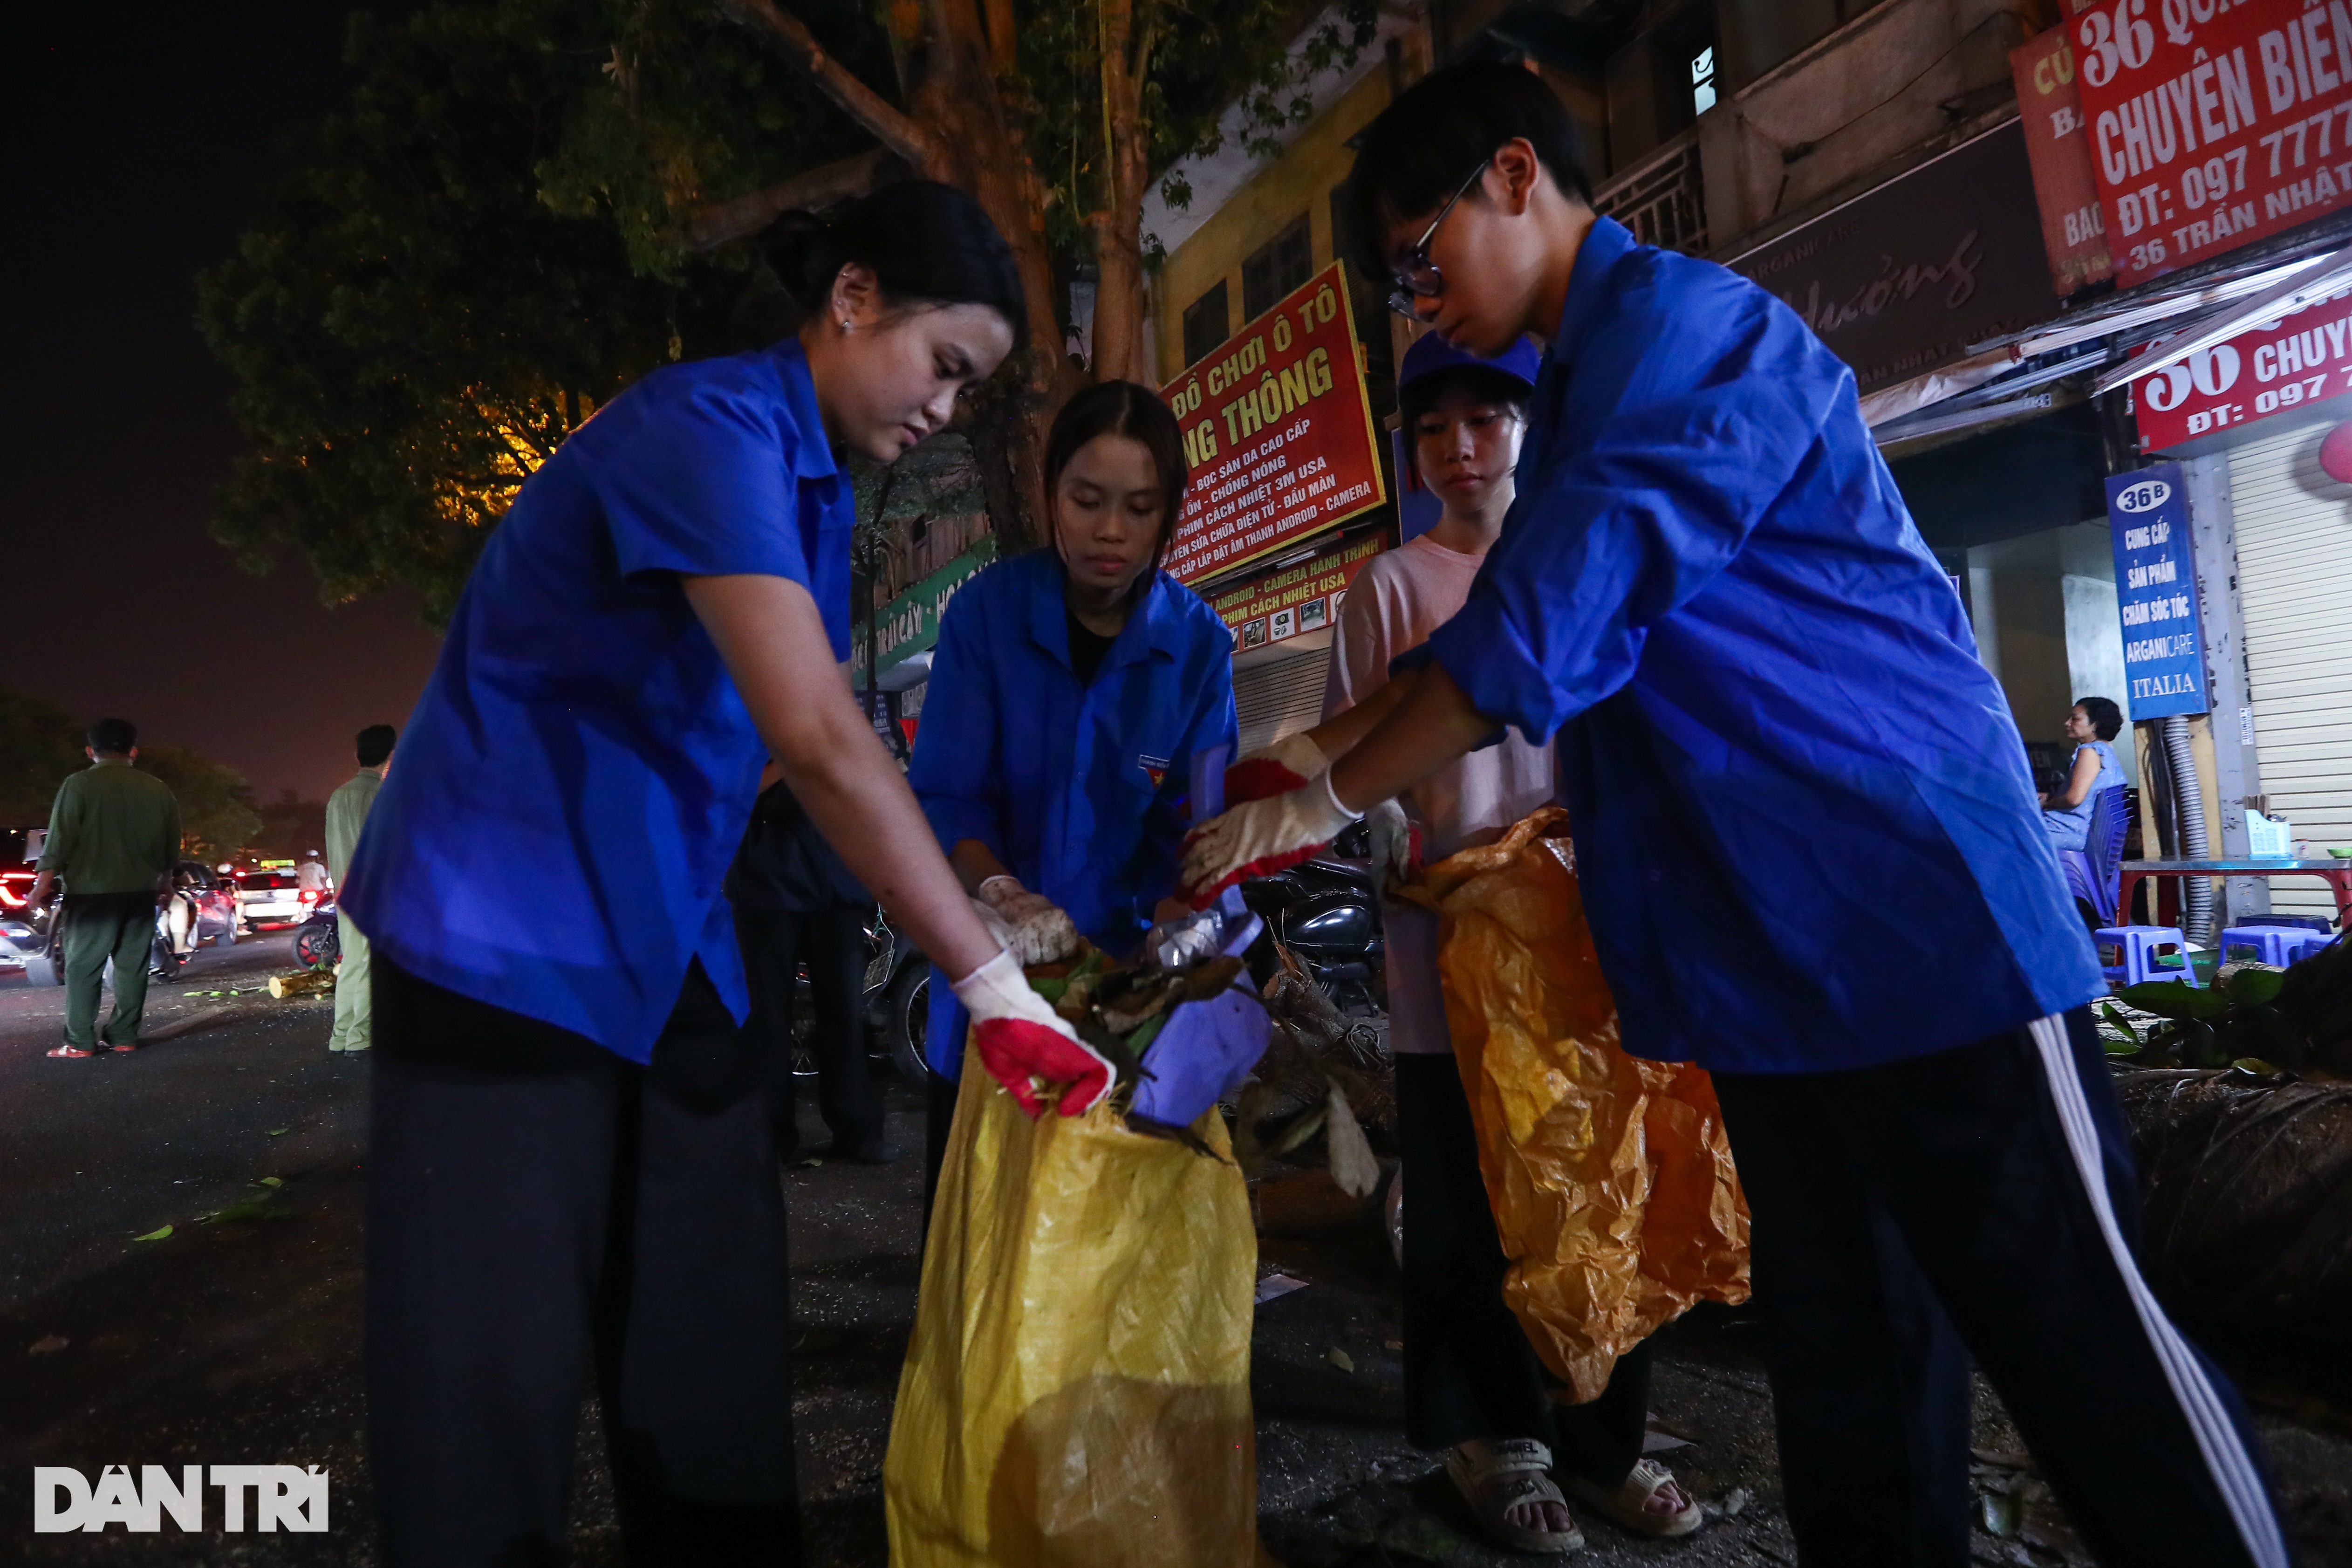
(1070, 689)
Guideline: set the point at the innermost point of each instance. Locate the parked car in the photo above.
(272, 898)
(203, 911)
(20, 849)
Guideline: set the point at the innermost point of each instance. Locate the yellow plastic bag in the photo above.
(1610, 1176)
(1077, 1392)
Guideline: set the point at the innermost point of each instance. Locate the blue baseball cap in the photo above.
(1430, 354)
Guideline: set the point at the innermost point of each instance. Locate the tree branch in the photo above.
(799, 47)
(715, 225)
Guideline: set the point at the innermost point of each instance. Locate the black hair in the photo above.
(376, 743)
(111, 737)
(1419, 149)
(1483, 383)
(925, 242)
(1122, 408)
(2106, 719)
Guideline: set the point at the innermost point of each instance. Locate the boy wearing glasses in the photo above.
(1809, 851)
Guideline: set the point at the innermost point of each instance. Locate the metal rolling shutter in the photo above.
(2294, 530)
(1281, 697)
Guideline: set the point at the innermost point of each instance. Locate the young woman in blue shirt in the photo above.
(1070, 687)
(570, 1159)
(1810, 852)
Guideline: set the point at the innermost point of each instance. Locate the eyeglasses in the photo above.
(1417, 276)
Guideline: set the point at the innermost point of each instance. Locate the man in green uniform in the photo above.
(347, 811)
(114, 837)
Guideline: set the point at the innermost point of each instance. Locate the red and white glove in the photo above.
(1289, 764)
(1039, 931)
(1022, 1041)
(1261, 836)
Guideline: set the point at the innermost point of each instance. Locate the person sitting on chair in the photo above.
(2093, 722)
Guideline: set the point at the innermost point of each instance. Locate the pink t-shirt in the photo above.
(1398, 599)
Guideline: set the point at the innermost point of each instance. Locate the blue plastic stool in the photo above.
(2137, 946)
(2301, 945)
(2272, 944)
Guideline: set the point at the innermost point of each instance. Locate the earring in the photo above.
(844, 323)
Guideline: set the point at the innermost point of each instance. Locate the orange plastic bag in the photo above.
(1610, 1176)
(1077, 1392)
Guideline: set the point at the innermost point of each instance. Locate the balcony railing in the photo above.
(1663, 199)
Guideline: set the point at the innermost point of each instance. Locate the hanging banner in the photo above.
(1305, 597)
(1278, 431)
(2275, 366)
(2156, 590)
(2073, 228)
(2213, 123)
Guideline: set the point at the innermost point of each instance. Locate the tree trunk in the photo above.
(1121, 299)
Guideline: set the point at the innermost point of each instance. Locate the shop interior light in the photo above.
(2311, 282)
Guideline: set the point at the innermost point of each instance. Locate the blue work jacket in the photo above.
(1805, 829)
(1079, 791)
(552, 838)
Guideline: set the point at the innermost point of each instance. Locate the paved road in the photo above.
(238, 1340)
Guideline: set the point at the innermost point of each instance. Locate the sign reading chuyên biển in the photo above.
(2156, 593)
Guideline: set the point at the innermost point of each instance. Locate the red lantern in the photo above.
(2335, 453)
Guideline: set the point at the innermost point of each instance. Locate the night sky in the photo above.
(143, 138)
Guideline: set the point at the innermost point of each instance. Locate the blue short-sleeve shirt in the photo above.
(554, 835)
(1805, 828)
(1076, 789)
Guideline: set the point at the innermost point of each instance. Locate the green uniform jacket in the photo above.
(112, 830)
(347, 812)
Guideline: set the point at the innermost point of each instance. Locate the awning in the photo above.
(2312, 281)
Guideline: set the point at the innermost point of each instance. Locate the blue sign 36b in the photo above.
(2155, 589)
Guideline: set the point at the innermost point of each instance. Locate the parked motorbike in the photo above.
(1327, 911)
(896, 999)
(319, 941)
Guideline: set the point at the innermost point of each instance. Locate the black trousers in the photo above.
(831, 942)
(1469, 1371)
(537, 1205)
(1979, 1200)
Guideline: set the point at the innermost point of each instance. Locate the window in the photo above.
(1207, 323)
(1277, 267)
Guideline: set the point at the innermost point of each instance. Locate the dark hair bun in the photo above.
(925, 242)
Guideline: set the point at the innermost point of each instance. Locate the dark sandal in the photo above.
(1511, 1472)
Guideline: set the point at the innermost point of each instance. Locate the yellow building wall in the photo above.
(1300, 180)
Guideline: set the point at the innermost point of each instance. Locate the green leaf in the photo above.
(1052, 990)
(278, 1132)
(2255, 987)
(2175, 999)
(2113, 1014)
(248, 1209)
(1340, 1359)
(2256, 1067)
(1145, 1033)
(155, 1235)
(271, 1182)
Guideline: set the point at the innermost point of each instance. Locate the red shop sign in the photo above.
(2282, 364)
(2074, 231)
(2213, 122)
(1278, 432)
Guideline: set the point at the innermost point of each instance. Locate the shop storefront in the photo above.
(1287, 498)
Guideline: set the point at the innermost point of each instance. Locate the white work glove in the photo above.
(1038, 931)
(1288, 764)
(1023, 1042)
(1396, 842)
(1261, 836)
